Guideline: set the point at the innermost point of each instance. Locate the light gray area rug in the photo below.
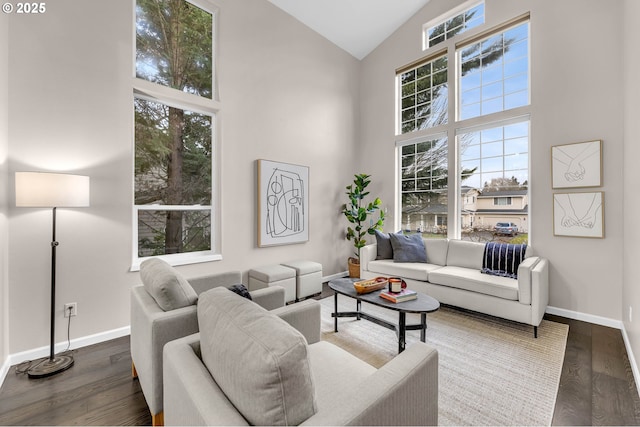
(491, 371)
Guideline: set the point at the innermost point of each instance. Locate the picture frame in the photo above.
(283, 203)
(577, 165)
(578, 214)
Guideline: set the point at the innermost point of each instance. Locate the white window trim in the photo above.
(455, 126)
(149, 91)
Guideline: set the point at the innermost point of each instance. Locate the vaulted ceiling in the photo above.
(357, 26)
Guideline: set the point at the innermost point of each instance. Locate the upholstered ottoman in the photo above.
(272, 275)
(308, 277)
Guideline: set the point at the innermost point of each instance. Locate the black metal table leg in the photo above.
(335, 311)
(402, 323)
(358, 308)
(423, 323)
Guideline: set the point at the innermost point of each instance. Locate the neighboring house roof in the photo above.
(523, 211)
(431, 209)
(503, 193)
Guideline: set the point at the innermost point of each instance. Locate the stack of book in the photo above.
(404, 295)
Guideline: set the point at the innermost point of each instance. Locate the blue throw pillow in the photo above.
(385, 251)
(503, 259)
(408, 248)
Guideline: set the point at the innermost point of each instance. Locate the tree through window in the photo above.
(174, 139)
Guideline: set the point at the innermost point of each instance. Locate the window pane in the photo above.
(429, 92)
(424, 187)
(164, 27)
(499, 67)
(170, 232)
(172, 155)
(456, 25)
(494, 180)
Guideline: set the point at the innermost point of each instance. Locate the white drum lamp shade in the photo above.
(48, 190)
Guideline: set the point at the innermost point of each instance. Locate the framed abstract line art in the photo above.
(283, 203)
(578, 214)
(577, 165)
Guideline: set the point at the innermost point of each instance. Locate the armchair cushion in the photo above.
(257, 359)
(168, 287)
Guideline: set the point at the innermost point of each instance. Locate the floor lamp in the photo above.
(51, 190)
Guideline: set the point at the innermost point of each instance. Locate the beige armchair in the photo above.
(163, 309)
(248, 366)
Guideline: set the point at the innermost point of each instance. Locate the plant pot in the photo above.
(354, 267)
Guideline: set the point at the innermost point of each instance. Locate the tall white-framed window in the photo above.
(486, 128)
(175, 108)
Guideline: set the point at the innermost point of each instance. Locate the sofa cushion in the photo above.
(406, 270)
(467, 254)
(436, 250)
(385, 251)
(408, 248)
(473, 280)
(258, 360)
(168, 287)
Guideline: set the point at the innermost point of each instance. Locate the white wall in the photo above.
(4, 186)
(287, 95)
(631, 288)
(576, 79)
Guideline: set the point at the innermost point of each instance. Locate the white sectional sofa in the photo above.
(452, 275)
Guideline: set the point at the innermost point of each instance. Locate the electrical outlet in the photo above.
(71, 309)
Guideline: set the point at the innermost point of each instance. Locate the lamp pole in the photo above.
(54, 245)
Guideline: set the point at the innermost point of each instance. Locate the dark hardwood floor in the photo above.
(596, 386)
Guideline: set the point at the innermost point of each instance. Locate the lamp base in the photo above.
(50, 367)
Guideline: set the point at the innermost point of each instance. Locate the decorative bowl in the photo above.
(370, 285)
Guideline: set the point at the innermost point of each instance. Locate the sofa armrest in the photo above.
(191, 396)
(204, 283)
(540, 290)
(402, 392)
(524, 279)
(304, 316)
(368, 253)
(269, 298)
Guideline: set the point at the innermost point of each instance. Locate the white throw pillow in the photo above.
(168, 287)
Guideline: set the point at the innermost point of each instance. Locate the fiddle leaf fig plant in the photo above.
(357, 212)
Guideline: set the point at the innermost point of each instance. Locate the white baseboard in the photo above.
(590, 318)
(37, 353)
(4, 370)
(632, 359)
(335, 276)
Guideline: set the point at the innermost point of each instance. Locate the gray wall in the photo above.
(287, 94)
(576, 80)
(630, 287)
